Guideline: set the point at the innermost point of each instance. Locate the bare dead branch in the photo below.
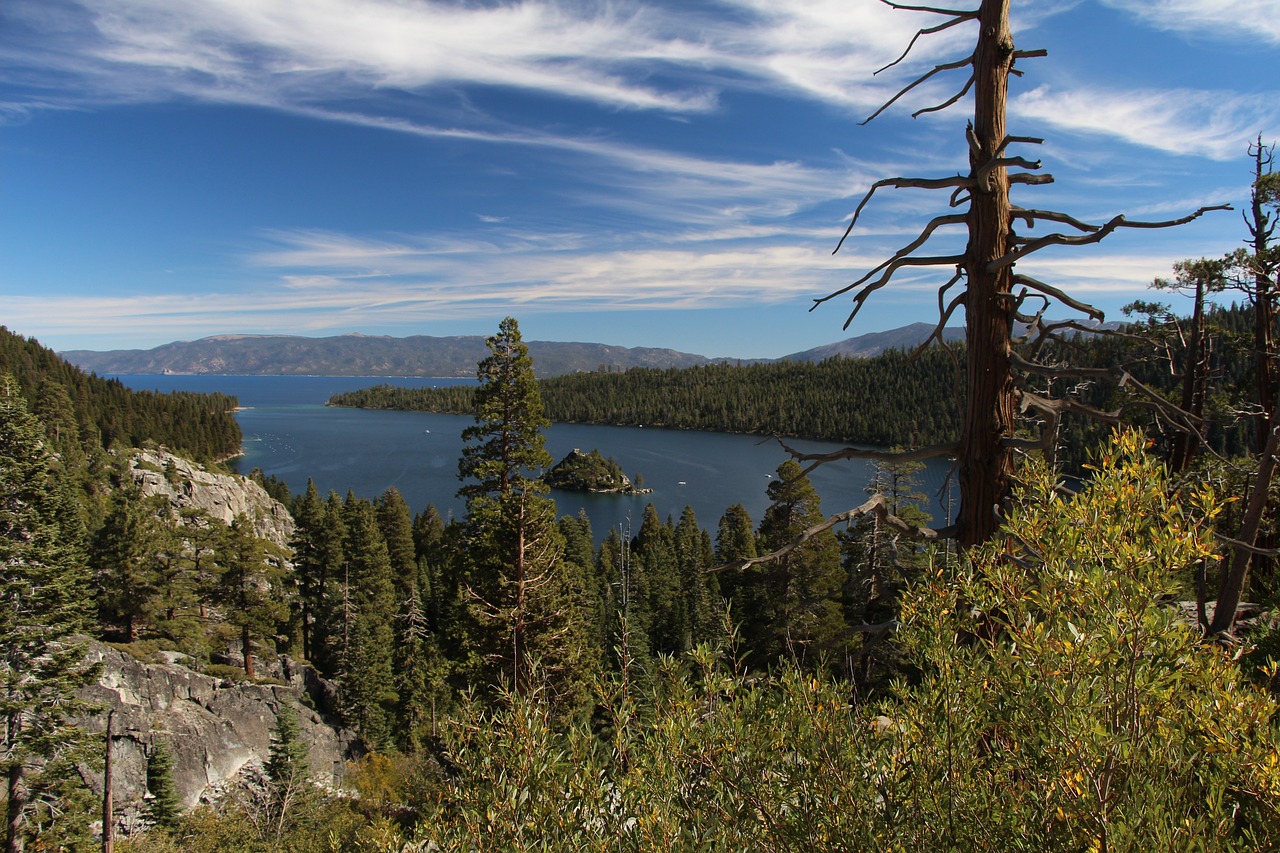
(964, 90)
(1030, 215)
(1096, 236)
(1055, 372)
(944, 314)
(983, 176)
(937, 69)
(1030, 179)
(903, 7)
(959, 18)
(861, 296)
(877, 504)
(1066, 299)
(889, 456)
(1023, 140)
(959, 181)
(920, 239)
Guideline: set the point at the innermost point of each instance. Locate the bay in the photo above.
(291, 434)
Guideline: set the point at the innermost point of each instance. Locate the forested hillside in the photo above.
(500, 665)
(886, 400)
(102, 413)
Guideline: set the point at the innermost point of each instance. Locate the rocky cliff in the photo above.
(218, 731)
(223, 496)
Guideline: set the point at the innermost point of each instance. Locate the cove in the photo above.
(289, 433)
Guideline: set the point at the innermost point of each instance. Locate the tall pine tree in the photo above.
(44, 611)
(526, 625)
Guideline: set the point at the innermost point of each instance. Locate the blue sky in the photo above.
(670, 174)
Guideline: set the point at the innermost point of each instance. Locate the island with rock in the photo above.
(591, 472)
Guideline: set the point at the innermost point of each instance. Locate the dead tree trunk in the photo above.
(986, 462)
(1194, 384)
(1224, 612)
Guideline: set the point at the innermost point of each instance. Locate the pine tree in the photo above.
(288, 771)
(365, 667)
(164, 808)
(309, 563)
(803, 616)
(249, 589)
(700, 589)
(44, 609)
(659, 607)
(736, 542)
(125, 551)
(526, 625)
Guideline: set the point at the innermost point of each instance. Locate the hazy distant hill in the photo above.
(361, 355)
(874, 343)
(422, 355)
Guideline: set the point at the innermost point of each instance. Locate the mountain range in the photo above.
(422, 355)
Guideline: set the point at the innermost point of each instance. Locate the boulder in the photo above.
(187, 485)
(217, 730)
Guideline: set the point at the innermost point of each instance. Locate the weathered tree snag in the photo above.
(986, 462)
(1224, 612)
(993, 395)
(108, 789)
(1261, 228)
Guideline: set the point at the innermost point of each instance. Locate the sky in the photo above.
(634, 172)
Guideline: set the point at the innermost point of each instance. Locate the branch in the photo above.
(944, 314)
(1030, 215)
(958, 181)
(984, 173)
(890, 456)
(902, 7)
(861, 296)
(1064, 298)
(1101, 231)
(937, 69)
(877, 504)
(959, 18)
(948, 102)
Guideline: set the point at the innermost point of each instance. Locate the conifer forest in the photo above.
(1088, 658)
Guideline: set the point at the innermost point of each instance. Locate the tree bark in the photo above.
(17, 809)
(986, 463)
(108, 790)
(1224, 612)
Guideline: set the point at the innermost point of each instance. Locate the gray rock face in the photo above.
(223, 496)
(217, 730)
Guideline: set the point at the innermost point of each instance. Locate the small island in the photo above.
(591, 472)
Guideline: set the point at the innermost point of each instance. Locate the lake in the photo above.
(291, 434)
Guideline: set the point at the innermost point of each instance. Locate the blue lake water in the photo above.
(291, 434)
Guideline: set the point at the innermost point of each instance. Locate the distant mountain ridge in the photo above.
(362, 355)
(874, 343)
(424, 355)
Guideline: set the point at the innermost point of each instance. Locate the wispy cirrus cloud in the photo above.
(1251, 20)
(1206, 123)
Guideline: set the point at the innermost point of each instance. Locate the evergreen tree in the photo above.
(44, 610)
(418, 666)
(700, 589)
(365, 667)
(249, 589)
(164, 808)
(330, 588)
(289, 773)
(803, 616)
(521, 601)
(309, 564)
(125, 551)
(736, 542)
(660, 607)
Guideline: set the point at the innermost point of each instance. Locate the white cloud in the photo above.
(1197, 122)
(1250, 20)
